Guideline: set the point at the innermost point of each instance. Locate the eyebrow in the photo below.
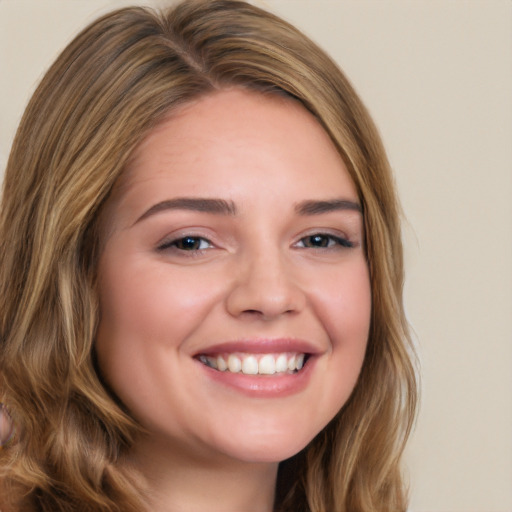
(223, 207)
(319, 207)
(216, 206)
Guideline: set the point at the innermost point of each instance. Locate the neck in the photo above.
(179, 482)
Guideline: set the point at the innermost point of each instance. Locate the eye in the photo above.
(187, 243)
(323, 241)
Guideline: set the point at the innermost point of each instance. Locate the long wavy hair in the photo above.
(116, 81)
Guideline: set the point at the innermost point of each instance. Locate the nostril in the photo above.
(258, 296)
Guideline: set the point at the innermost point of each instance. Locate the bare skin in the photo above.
(235, 297)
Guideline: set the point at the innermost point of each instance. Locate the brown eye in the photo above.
(317, 241)
(187, 243)
(324, 241)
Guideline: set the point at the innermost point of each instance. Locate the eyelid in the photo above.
(341, 240)
(169, 243)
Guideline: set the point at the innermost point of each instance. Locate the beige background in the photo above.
(437, 76)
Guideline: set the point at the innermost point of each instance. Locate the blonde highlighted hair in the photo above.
(117, 80)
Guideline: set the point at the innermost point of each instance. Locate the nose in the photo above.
(265, 288)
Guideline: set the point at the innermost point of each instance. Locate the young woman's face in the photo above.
(234, 289)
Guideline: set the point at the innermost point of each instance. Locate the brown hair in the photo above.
(119, 78)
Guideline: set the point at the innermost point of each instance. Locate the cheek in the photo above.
(345, 312)
(146, 318)
(146, 312)
(143, 300)
(344, 304)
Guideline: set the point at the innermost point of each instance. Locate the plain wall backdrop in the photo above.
(437, 77)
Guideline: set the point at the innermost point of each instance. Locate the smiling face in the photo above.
(234, 289)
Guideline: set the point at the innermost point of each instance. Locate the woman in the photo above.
(201, 275)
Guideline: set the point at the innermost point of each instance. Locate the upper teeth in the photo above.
(255, 364)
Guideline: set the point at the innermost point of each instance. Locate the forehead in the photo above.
(239, 137)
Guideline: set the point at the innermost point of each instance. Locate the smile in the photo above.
(255, 364)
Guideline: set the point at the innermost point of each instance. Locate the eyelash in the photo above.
(195, 243)
(334, 242)
(175, 244)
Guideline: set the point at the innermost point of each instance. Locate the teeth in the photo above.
(221, 364)
(267, 365)
(251, 364)
(281, 363)
(234, 364)
(208, 361)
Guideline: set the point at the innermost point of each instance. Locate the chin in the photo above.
(267, 448)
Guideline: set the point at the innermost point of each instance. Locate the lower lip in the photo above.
(264, 386)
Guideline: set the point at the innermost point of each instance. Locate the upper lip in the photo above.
(262, 346)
